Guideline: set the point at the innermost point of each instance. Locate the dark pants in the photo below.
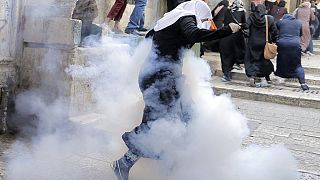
(162, 102)
(117, 10)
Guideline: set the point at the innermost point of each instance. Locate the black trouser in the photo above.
(162, 101)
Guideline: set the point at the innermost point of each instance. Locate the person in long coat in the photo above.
(160, 76)
(256, 65)
(218, 13)
(232, 48)
(289, 50)
(305, 15)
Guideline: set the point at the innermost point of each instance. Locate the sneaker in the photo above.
(143, 29)
(264, 83)
(237, 67)
(304, 87)
(120, 169)
(309, 53)
(225, 78)
(133, 32)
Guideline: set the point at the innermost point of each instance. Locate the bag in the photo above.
(270, 49)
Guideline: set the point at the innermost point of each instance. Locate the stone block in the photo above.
(37, 9)
(55, 31)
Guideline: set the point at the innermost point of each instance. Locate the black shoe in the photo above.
(226, 78)
(133, 32)
(304, 87)
(121, 169)
(143, 29)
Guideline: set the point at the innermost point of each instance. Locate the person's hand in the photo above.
(234, 27)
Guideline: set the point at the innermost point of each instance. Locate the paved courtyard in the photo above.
(298, 128)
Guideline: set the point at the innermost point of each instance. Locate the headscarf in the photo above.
(237, 5)
(197, 8)
(219, 6)
(282, 3)
(305, 4)
(257, 16)
(288, 17)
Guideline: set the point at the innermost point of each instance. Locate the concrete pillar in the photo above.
(10, 49)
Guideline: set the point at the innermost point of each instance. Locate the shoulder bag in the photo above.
(270, 49)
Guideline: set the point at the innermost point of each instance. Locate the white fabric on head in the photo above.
(197, 8)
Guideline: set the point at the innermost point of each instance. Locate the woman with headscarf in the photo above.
(160, 77)
(218, 13)
(255, 64)
(279, 10)
(232, 48)
(305, 15)
(289, 50)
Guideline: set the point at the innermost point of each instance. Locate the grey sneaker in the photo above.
(121, 169)
(225, 78)
(304, 87)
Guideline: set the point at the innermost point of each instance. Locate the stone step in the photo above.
(312, 80)
(311, 64)
(273, 94)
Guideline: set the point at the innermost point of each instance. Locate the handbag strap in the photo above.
(267, 29)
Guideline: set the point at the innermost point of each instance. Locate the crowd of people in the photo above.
(293, 34)
(239, 39)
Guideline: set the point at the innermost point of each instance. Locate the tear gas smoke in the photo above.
(209, 147)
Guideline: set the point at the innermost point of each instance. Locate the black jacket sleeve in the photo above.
(189, 28)
(273, 31)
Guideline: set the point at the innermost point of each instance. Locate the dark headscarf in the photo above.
(224, 3)
(257, 16)
(282, 3)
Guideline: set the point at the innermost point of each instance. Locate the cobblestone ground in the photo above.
(5, 142)
(297, 128)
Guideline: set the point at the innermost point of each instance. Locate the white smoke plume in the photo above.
(209, 147)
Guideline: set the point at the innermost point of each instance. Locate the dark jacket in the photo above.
(184, 34)
(255, 63)
(289, 50)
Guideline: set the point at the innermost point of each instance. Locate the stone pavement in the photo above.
(295, 127)
(298, 128)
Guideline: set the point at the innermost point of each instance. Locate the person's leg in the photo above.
(115, 10)
(161, 96)
(301, 78)
(141, 23)
(122, 166)
(118, 17)
(310, 48)
(268, 79)
(136, 15)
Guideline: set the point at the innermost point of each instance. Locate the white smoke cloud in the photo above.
(209, 147)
